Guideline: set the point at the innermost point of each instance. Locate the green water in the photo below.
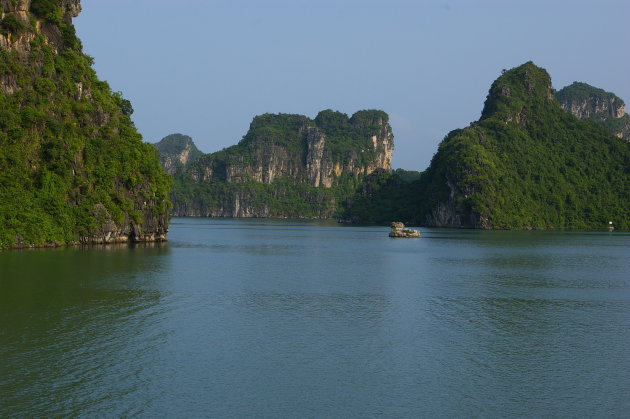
(263, 318)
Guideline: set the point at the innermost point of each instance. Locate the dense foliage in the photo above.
(67, 146)
(11, 24)
(47, 9)
(528, 164)
(279, 143)
(351, 137)
(385, 196)
(583, 92)
(285, 197)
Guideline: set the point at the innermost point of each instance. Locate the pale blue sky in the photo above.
(206, 68)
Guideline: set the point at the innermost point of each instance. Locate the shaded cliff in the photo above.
(385, 196)
(605, 108)
(527, 164)
(287, 166)
(177, 151)
(73, 168)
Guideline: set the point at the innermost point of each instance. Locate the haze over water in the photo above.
(271, 318)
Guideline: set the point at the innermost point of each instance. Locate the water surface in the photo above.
(268, 318)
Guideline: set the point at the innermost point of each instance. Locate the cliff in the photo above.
(527, 164)
(73, 168)
(287, 166)
(177, 151)
(385, 196)
(587, 102)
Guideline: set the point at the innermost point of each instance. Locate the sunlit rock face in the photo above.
(588, 102)
(285, 166)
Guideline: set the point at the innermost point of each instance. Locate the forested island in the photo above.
(536, 159)
(525, 164)
(73, 168)
(286, 166)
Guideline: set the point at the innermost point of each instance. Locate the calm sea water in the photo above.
(262, 318)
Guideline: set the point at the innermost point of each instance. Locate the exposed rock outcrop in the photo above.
(286, 166)
(447, 213)
(605, 108)
(177, 151)
(19, 39)
(398, 230)
(73, 168)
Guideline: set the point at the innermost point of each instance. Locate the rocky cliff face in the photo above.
(287, 166)
(605, 108)
(177, 152)
(50, 14)
(73, 168)
(585, 101)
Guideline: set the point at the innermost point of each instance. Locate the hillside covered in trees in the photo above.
(285, 166)
(73, 168)
(525, 164)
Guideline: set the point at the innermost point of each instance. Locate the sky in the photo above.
(205, 68)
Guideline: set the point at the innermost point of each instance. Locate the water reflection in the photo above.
(68, 321)
(281, 318)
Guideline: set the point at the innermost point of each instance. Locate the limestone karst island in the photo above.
(536, 159)
(74, 169)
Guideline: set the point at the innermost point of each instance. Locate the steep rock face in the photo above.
(287, 166)
(318, 168)
(605, 108)
(585, 101)
(527, 164)
(448, 213)
(73, 168)
(384, 196)
(177, 151)
(16, 35)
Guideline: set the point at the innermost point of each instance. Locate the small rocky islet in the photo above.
(398, 230)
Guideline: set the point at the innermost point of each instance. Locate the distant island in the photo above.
(536, 159)
(590, 103)
(285, 166)
(73, 168)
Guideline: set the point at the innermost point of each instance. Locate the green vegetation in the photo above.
(177, 151)
(600, 106)
(268, 171)
(351, 137)
(268, 129)
(579, 92)
(68, 148)
(10, 24)
(285, 197)
(618, 126)
(385, 197)
(47, 9)
(175, 143)
(528, 164)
